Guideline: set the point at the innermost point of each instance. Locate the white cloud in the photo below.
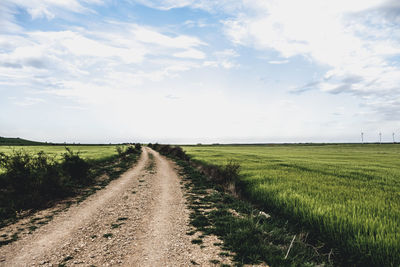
(352, 39)
(278, 62)
(208, 5)
(123, 74)
(50, 8)
(29, 101)
(191, 53)
(107, 64)
(147, 35)
(224, 59)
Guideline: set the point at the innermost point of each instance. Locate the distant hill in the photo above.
(6, 141)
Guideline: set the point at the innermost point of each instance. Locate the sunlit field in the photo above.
(348, 193)
(86, 152)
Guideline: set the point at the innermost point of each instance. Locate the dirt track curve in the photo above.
(139, 219)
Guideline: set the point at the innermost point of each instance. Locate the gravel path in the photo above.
(140, 219)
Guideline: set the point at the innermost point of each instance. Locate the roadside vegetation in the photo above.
(31, 181)
(346, 195)
(249, 235)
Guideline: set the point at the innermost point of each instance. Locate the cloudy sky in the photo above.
(188, 71)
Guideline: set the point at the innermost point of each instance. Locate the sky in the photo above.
(200, 71)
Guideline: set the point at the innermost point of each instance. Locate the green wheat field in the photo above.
(86, 152)
(350, 194)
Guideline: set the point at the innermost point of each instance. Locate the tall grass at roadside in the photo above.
(349, 194)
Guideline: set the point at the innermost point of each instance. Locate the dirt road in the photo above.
(140, 219)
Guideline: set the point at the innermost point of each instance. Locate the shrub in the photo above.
(28, 182)
(75, 168)
(120, 150)
(171, 151)
(138, 146)
(130, 150)
(225, 174)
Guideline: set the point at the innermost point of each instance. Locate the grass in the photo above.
(250, 237)
(348, 194)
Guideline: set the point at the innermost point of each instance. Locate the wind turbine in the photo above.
(380, 138)
(393, 138)
(362, 137)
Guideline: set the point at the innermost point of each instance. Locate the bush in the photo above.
(75, 168)
(225, 174)
(28, 182)
(120, 151)
(138, 146)
(171, 151)
(31, 181)
(130, 150)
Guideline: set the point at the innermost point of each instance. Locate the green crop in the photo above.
(350, 194)
(91, 153)
(86, 152)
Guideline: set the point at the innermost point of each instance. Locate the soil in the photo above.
(139, 219)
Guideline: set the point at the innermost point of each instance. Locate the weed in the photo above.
(197, 241)
(191, 232)
(214, 261)
(108, 235)
(13, 238)
(115, 225)
(67, 258)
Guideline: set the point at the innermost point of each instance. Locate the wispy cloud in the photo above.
(29, 101)
(224, 58)
(278, 62)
